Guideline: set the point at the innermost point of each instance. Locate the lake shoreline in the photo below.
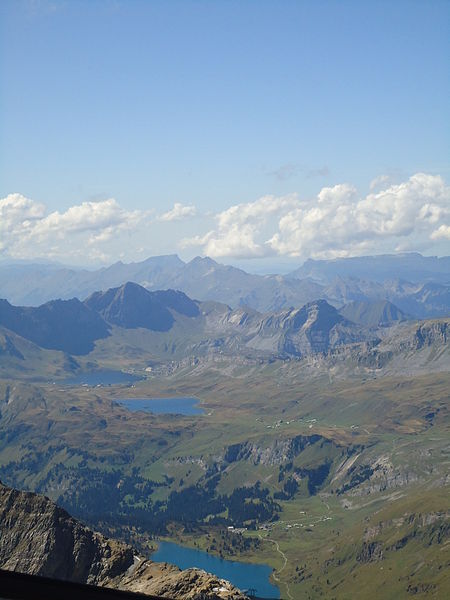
(243, 572)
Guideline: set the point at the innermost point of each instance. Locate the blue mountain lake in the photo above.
(159, 406)
(102, 378)
(243, 575)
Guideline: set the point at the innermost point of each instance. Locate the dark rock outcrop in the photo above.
(370, 552)
(40, 538)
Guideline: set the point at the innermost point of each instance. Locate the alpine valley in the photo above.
(322, 447)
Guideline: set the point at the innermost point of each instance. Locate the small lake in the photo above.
(102, 378)
(161, 406)
(242, 575)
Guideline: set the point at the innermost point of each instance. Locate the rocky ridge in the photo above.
(183, 325)
(40, 538)
(279, 452)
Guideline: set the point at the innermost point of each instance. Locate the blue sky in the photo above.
(216, 104)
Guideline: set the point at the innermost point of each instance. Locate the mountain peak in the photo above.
(132, 306)
(166, 259)
(320, 303)
(203, 260)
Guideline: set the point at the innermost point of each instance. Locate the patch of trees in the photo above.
(283, 469)
(290, 488)
(190, 505)
(116, 499)
(246, 506)
(316, 477)
(96, 495)
(32, 461)
(250, 505)
(231, 543)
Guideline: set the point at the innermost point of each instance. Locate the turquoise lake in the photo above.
(160, 406)
(243, 575)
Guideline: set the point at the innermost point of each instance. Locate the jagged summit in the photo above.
(315, 327)
(203, 260)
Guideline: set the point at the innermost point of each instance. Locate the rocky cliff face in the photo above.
(40, 538)
(279, 452)
(317, 327)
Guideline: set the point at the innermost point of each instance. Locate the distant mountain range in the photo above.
(132, 324)
(73, 326)
(419, 286)
(410, 266)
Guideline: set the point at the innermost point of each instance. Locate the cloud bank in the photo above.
(337, 222)
(27, 231)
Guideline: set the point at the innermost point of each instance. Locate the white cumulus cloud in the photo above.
(178, 212)
(337, 222)
(441, 233)
(240, 229)
(380, 183)
(27, 231)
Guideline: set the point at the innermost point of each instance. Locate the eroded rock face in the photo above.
(40, 538)
(279, 452)
(370, 552)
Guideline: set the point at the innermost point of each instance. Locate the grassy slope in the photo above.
(388, 416)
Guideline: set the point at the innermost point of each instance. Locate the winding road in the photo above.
(275, 576)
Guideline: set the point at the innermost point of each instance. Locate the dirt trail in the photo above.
(275, 576)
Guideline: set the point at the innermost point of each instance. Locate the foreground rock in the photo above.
(40, 538)
(163, 579)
